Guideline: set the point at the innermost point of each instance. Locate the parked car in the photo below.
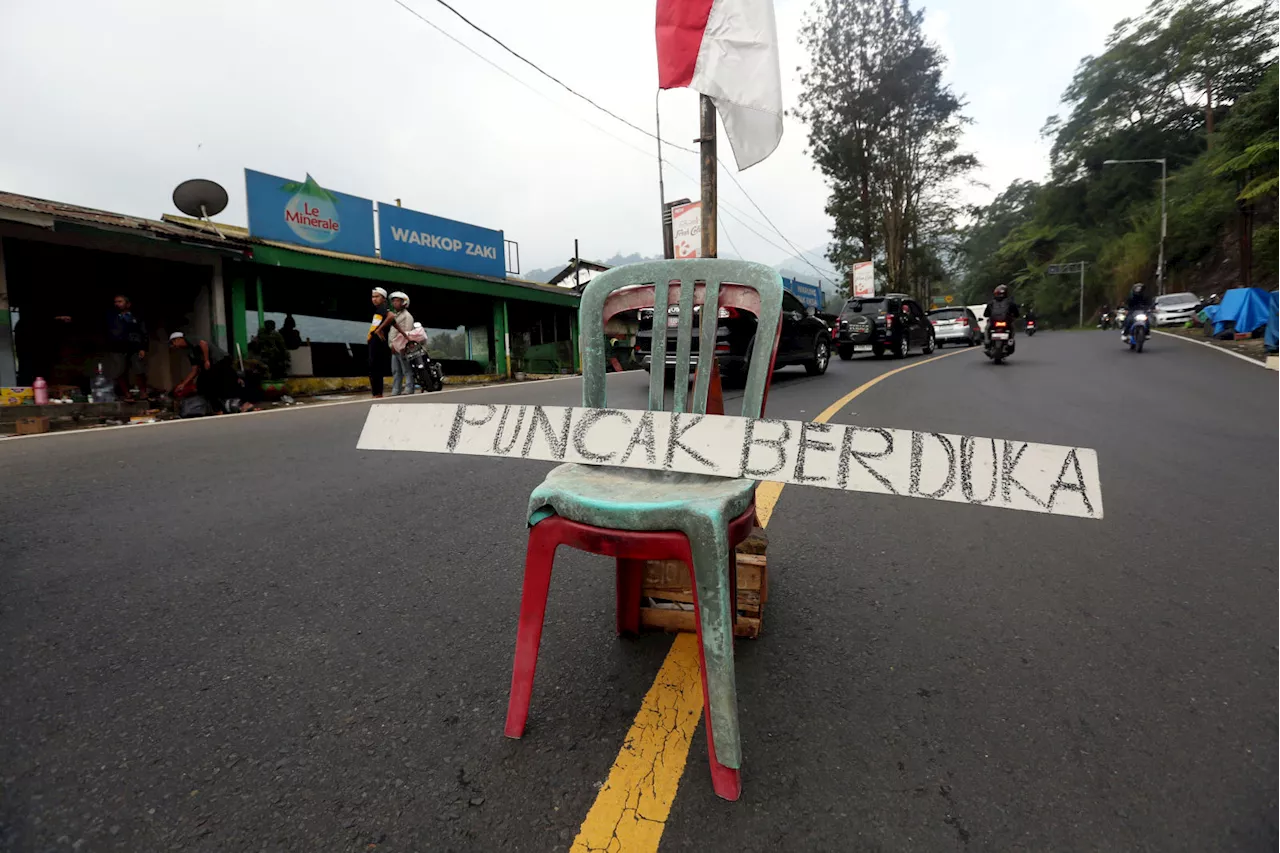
(955, 326)
(878, 324)
(805, 339)
(1175, 309)
(979, 311)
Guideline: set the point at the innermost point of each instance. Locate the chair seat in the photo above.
(636, 499)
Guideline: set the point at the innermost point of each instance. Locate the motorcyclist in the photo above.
(1001, 307)
(1137, 301)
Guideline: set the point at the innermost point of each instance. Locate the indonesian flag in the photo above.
(727, 50)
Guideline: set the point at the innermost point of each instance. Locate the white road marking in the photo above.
(1222, 350)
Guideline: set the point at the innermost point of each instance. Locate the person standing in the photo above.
(289, 332)
(398, 325)
(379, 352)
(129, 343)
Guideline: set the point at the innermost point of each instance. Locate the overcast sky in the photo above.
(111, 105)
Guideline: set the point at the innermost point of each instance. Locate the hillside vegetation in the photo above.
(1194, 82)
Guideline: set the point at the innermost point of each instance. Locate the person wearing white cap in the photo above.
(398, 325)
(212, 374)
(378, 349)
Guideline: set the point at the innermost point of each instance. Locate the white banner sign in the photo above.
(686, 229)
(964, 469)
(864, 280)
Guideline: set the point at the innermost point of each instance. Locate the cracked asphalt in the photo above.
(243, 634)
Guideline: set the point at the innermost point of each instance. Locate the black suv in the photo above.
(879, 324)
(805, 339)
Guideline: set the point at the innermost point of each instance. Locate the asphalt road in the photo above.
(243, 634)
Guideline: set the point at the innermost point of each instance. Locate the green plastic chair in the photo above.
(636, 515)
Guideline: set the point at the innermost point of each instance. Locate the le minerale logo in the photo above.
(312, 212)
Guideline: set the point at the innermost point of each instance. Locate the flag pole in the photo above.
(707, 143)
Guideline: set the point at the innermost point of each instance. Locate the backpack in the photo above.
(194, 406)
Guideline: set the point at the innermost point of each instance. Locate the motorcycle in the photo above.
(1138, 332)
(1105, 322)
(999, 341)
(1031, 328)
(427, 373)
(1121, 314)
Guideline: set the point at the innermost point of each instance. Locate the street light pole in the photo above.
(1082, 295)
(1164, 222)
(1164, 210)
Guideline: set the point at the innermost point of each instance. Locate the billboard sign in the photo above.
(306, 214)
(808, 294)
(410, 237)
(686, 229)
(864, 280)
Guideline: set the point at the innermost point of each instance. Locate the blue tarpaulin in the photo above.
(1245, 307)
(1273, 334)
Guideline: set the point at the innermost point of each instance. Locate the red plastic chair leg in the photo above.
(539, 557)
(630, 585)
(726, 781)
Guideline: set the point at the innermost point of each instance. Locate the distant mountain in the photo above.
(619, 259)
(802, 266)
(547, 273)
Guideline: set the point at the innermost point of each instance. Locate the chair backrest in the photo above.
(658, 284)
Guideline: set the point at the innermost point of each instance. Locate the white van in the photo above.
(978, 311)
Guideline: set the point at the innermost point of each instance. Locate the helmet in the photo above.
(1002, 290)
(381, 292)
(400, 294)
(1137, 288)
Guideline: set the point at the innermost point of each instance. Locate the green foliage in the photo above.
(269, 347)
(1250, 142)
(1157, 90)
(1266, 254)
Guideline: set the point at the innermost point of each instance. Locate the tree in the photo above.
(981, 268)
(1161, 81)
(1192, 81)
(885, 132)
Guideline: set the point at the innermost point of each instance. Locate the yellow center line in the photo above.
(633, 805)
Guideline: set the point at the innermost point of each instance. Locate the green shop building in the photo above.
(308, 260)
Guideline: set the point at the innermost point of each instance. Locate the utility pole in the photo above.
(707, 143)
(1164, 218)
(577, 265)
(668, 239)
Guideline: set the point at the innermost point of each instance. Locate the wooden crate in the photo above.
(666, 585)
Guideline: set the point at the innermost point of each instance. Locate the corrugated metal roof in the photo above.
(57, 210)
(191, 230)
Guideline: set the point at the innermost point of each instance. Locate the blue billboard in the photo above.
(809, 294)
(417, 238)
(307, 214)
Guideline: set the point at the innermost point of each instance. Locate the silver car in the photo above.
(955, 326)
(1175, 309)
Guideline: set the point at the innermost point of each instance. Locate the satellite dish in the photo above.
(201, 199)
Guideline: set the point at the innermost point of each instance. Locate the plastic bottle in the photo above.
(42, 391)
(100, 390)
